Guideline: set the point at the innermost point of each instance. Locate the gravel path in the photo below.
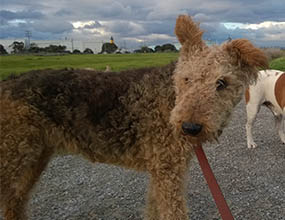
(252, 180)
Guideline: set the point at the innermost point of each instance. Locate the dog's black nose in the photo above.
(191, 128)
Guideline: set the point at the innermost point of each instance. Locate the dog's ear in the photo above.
(243, 53)
(188, 34)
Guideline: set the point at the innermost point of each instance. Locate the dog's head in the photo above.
(209, 81)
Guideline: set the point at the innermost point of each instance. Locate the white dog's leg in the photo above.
(252, 110)
(279, 120)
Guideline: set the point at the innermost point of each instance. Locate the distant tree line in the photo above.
(19, 48)
(157, 49)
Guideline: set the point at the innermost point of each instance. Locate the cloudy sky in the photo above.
(134, 23)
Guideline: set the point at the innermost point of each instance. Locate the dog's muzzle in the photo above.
(192, 129)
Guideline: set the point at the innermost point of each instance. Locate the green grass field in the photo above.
(21, 63)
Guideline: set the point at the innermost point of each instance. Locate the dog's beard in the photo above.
(203, 137)
(210, 133)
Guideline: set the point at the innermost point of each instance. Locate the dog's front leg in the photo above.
(166, 195)
(151, 212)
(252, 110)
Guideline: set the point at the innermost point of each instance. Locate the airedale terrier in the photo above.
(147, 119)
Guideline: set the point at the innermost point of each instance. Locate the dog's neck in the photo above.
(154, 91)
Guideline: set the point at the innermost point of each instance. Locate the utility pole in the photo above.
(28, 35)
(72, 48)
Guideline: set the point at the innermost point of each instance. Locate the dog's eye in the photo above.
(221, 84)
(187, 80)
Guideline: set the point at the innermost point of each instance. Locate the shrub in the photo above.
(88, 51)
(18, 47)
(76, 51)
(144, 49)
(165, 48)
(278, 64)
(168, 48)
(2, 50)
(273, 53)
(109, 48)
(158, 49)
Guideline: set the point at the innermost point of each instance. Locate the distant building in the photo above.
(112, 40)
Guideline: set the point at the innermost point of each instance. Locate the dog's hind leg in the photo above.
(19, 172)
(23, 156)
(15, 189)
(279, 122)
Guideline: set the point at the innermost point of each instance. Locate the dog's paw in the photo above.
(251, 145)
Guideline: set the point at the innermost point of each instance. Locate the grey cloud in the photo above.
(22, 5)
(63, 12)
(125, 28)
(160, 27)
(26, 14)
(218, 33)
(7, 31)
(148, 19)
(201, 17)
(115, 9)
(15, 2)
(103, 10)
(253, 11)
(52, 26)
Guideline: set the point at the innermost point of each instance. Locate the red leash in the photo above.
(213, 185)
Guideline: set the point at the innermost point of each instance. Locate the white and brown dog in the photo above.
(269, 90)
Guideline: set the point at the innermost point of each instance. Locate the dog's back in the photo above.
(269, 90)
(77, 111)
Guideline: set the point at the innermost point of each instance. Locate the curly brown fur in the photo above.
(132, 118)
